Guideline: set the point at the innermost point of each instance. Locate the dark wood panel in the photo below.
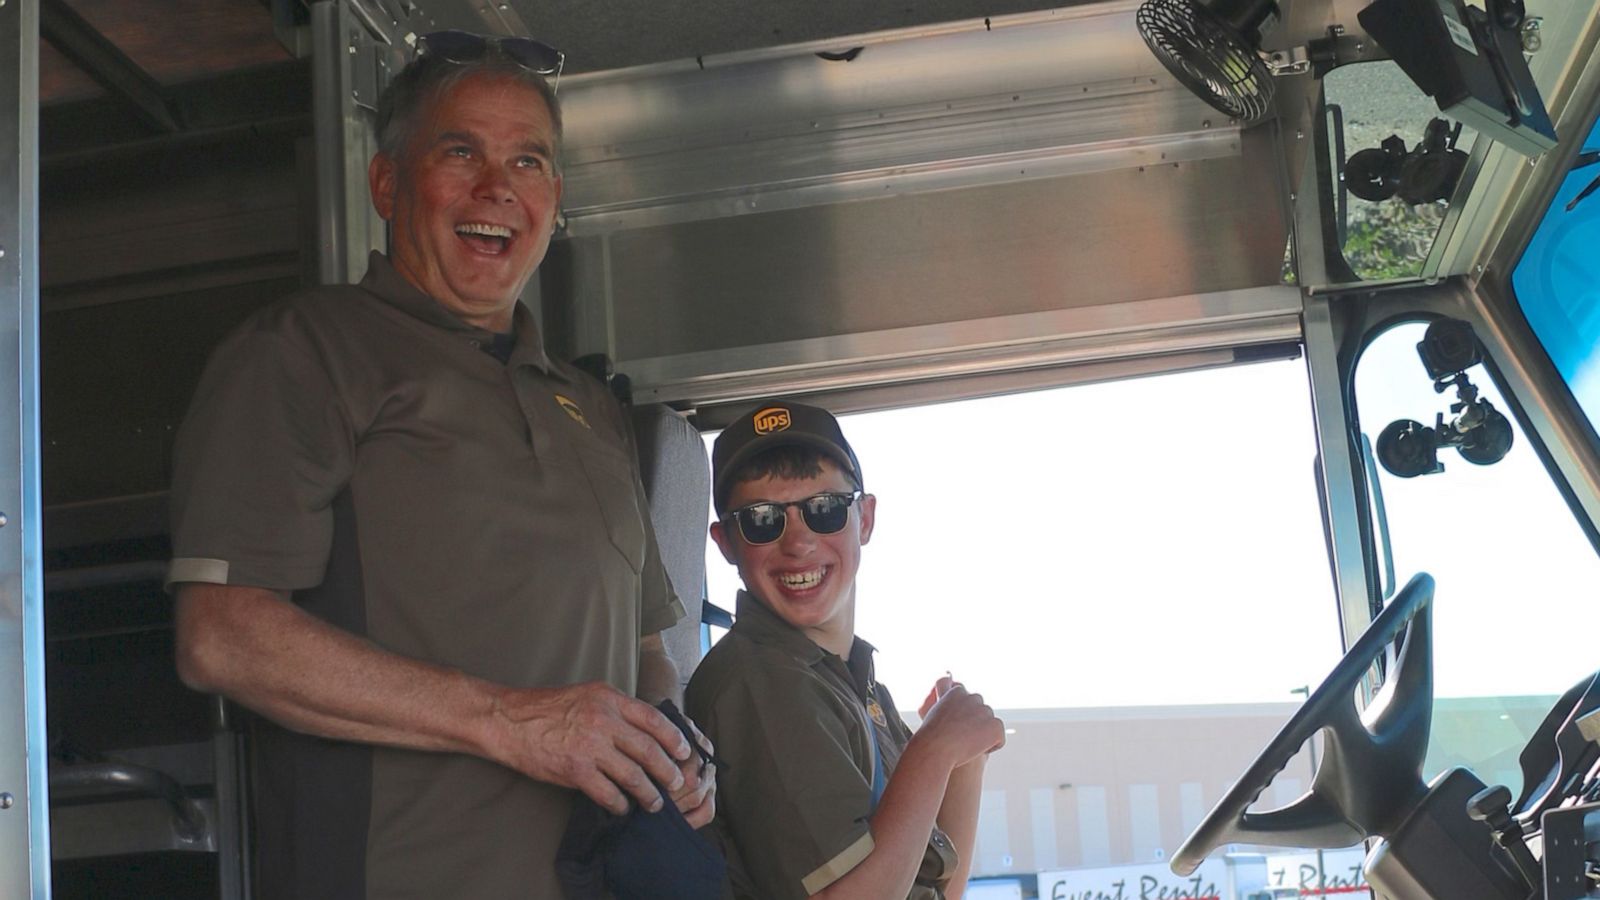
(180, 40)
(116, 381)
(60, 81)
(187, 208)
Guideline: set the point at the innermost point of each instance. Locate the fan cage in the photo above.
(1208, 56)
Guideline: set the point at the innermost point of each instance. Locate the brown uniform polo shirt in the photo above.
(355, 445)
(791, 719)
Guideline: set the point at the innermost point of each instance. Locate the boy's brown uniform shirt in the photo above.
(796, 725)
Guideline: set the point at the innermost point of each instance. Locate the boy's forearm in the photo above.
(958, 817)
(900, 829)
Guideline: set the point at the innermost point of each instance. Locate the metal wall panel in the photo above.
(24, 802)
(948, 256)
(622, 33)
(942, 180)
(1332, 342)
(355, 48)
(1509, 191)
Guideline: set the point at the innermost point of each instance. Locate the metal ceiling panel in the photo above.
(1034, 97)
(618, 34)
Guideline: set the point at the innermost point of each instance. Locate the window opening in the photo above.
(1397, 163)
(1134, 574)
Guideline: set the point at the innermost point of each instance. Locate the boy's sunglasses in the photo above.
(763, 523)
(466, 47)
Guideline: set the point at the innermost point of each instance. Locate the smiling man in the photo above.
(826, 792)
(416, 545)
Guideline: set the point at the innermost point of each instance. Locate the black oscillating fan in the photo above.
(1213, 47)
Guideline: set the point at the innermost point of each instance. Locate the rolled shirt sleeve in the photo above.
(794, 798)
(659, 603)
(264, 450)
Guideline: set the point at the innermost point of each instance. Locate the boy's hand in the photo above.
(959, 724)
(697, 799)
(939, 689)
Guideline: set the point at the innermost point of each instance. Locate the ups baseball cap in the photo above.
(777, 423)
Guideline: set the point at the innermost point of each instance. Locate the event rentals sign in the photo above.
(1336, 873)
(1151, 882)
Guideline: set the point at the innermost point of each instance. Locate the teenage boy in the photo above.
(826, 792)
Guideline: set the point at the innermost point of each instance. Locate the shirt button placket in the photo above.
(537, 431)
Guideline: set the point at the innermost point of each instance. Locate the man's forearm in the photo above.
(260, 650)
(257, 648)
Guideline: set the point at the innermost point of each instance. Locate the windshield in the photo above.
(1512, 568)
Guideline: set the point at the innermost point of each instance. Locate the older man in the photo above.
(418, 545)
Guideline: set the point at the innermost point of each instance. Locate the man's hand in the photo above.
(697, 800)
(594, 738)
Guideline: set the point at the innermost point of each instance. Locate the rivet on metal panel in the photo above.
(6, 800)
(1206, 123)
(4, 521)
(1299, 135)
(1292, 198)
(1532, 34)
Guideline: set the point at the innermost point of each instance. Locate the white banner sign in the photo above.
(1152, 882)
(1339, 873)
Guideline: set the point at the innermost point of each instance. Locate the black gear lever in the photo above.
(1492, 807)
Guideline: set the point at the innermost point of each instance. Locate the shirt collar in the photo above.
(387, 284)
(760, 624)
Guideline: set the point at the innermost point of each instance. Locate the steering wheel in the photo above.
(1371, 772)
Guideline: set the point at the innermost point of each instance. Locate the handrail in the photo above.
(86, 782)
(110, 575)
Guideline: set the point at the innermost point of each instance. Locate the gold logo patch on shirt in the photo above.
(876, 712)
(573, 410)
(773, 418)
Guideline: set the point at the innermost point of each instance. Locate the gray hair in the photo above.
(429, 77)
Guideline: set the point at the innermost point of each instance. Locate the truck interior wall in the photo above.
(147, 259)
(151, 250)
(948, 256)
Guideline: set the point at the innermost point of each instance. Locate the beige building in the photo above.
(1083, 788)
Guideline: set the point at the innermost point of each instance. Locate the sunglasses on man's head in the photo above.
(763, 523)
(466, 47)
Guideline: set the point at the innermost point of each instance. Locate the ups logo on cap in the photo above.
(773, 418)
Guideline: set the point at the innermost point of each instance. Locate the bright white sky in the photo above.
(1157, 541)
